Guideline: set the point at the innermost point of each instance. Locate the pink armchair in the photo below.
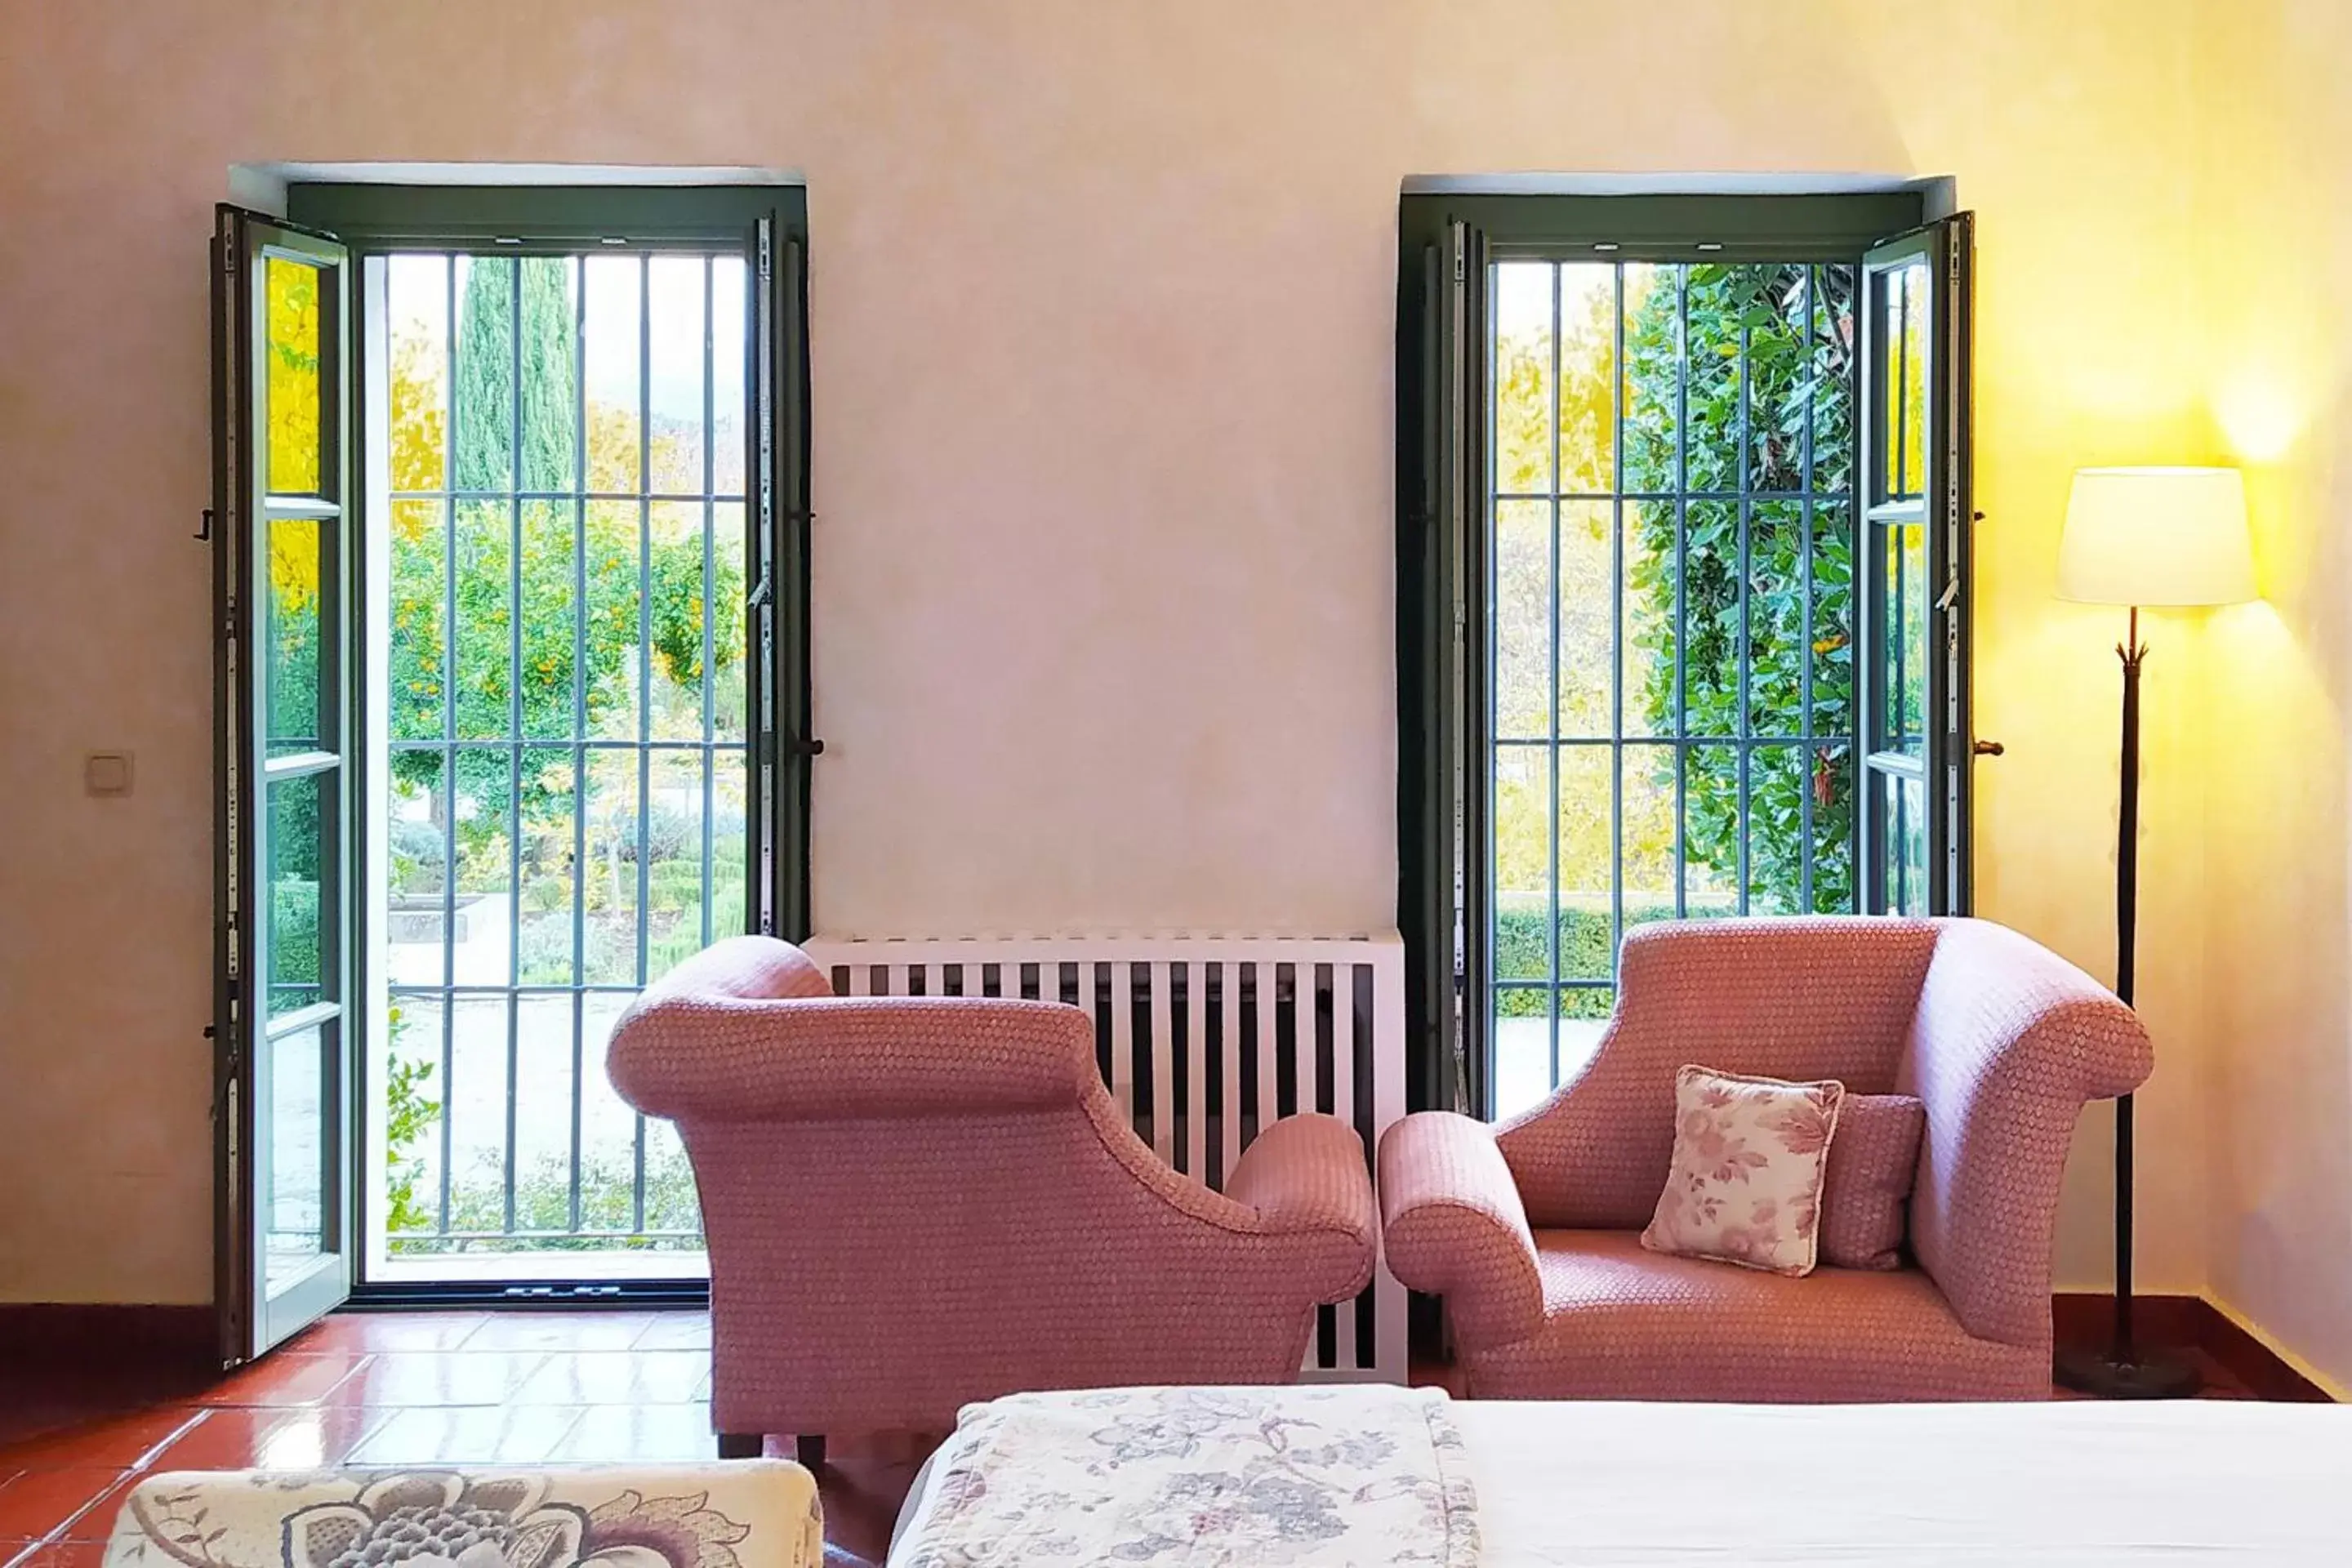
(916, 1202)
(1528, 1229)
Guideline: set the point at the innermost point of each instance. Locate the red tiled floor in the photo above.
(621, 1377)
(64, 1554)
(115, 1441)
(286, 1377)
(39, 1503)
(364, 1332)
(567, 1331)
(439, 1377)
(395, 1388)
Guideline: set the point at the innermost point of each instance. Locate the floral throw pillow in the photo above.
(1746, 1185)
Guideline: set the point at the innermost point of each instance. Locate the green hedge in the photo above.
(1585, 952)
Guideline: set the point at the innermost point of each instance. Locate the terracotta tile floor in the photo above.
(402, 1388)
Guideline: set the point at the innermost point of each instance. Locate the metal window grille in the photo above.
(1705, 760)
(589, 837)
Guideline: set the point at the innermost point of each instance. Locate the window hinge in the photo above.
(205, 528)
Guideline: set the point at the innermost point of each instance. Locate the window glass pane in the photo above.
(294, 1234)
(550, 629)
(1711, 831)
(419, 840)
(1588, 378)
(1587, 855)
(291, 391)
(1777, 651)
(728, 713)
(1587, 614)
(300, 573)
(1653, 379)
(1904, 665)
(1907, 845)
(484, 625)
(1779, 378)
(1521, 1043)
(417, 299)
(1831, 384)
(545, 953)
(1523, 350)
(418, 674)
(299, 938)
(484, 453)
(412, 1086)
(614, 534)
(1523, 589)
(1718, 300)
(549, 321)
(1710, 620)
(1890, 289)
(609, 879)
(677, 618)
(543, 1090)
(675, 419)
(1523, 886)
(1778, 844)
(1647, 641)
(1914, 379)
(1830, 785)
(1650, 877)
(1832, 649)
(613, 347)
(729, 346)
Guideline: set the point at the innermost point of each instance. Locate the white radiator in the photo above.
(1196, 1036)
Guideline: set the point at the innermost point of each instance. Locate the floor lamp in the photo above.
(2144, 537)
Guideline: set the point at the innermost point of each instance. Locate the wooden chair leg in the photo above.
(740, 1444)
(810, 1451)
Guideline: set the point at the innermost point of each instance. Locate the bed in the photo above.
(1903, 1486)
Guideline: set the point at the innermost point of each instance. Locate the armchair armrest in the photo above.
(1452, 1223)
(1307, 1173)
(2009, 1042)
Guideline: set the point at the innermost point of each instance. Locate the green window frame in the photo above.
(1447, 503)
(349, 225)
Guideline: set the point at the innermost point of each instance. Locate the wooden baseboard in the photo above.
(44, 1341)
(2185, 1323)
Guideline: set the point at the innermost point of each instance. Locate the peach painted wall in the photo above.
(2278, 253)
(1103, 332)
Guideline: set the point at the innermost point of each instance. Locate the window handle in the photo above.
(1988, 748)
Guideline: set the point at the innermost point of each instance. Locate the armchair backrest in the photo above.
(1827, 997)
(750, 1031)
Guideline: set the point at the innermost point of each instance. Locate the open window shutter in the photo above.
(284, 750)
(778, 626)
(1918, 524)
(1443, 655)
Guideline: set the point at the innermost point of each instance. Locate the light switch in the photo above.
(106, 772)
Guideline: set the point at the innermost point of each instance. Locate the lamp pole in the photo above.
(2131, 650)
(2122, 1370)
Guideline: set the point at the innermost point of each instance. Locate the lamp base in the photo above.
(2149, 1374)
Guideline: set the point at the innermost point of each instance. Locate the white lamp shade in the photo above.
(2157, 536)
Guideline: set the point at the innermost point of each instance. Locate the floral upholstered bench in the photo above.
(745, 1514)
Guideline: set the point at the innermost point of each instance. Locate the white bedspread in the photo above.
(1911, 1486)
(1907, 1485)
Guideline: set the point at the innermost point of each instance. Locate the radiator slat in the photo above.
(1196, 1071)
(1162, 1045)
(1229, 981)
(1122, 1037)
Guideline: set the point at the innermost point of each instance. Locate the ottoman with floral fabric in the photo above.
(744, 1514)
